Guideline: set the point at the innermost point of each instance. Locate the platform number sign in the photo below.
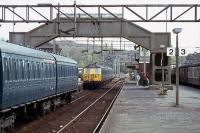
(183, 51)
(171, 51)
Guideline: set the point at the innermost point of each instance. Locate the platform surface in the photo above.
(140, 110)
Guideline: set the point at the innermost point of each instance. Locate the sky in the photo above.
(189, 37)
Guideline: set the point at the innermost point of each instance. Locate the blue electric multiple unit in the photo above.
(28, 75)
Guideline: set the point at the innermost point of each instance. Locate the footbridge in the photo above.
(107, 24)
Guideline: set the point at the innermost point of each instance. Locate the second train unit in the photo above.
(94, 75)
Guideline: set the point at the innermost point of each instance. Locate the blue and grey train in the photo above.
(188, 75)
(33, 80)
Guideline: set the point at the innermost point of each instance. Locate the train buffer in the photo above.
(141, 110)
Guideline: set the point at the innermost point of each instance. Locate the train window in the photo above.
(14, 69)
(196, 72)
(87, 70)
(77, 71)
(42, 70)
(74, 70)
(61, 71)
(64, 70)
(46, 69)
(33, 69)
(6, 70)
(58, 67)
(19, 70)
(98, 71)
(38, 70)
(52, 66)
(10, 69)
(67, 71)
(58, 70)
(190, 72)
(53, 72)
(50, 73)
(30, 65)
(70, 71)
(22, 68)
(28, 70)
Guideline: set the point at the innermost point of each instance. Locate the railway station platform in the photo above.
(141, 110)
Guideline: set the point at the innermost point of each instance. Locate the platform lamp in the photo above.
(161, 63)
(177, 31)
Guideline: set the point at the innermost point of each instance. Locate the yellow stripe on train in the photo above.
(92, 77)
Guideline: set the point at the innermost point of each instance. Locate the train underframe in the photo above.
(33, 109)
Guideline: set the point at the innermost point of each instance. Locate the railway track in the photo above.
(92, 104)
(83, 122)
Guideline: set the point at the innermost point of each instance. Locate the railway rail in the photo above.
(83, 119)
(67, 118)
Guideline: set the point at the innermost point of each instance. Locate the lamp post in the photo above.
(177, 31)
(162, 83)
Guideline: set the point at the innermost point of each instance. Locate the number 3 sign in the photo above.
(171, 51)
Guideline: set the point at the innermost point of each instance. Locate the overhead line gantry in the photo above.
(145, 16)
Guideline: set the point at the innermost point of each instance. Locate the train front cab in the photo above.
(92, 78)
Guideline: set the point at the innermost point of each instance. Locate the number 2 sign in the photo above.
(171, 51)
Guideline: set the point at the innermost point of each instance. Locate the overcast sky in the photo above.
(189, 37)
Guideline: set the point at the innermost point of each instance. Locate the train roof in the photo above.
(64, 59)
(21, 50)
(190, 65)
(191, 59)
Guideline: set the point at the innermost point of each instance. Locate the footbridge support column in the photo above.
(160, 62)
